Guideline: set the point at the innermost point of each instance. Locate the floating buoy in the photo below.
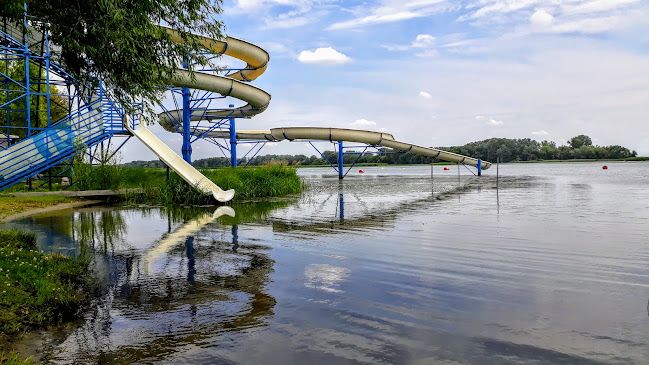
(604, 167)
(446, 168)
(360, 171)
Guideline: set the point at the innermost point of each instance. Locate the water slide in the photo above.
(233, 85)
(347, 135)
(257, 101)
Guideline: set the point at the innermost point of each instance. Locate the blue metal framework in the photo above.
(46, 116)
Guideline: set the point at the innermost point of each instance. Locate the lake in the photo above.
(548, 264)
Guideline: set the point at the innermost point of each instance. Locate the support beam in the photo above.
(187, 113)
(479, 167)
(340, 160)
(233, 141)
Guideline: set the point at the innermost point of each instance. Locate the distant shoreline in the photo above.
(630, 159)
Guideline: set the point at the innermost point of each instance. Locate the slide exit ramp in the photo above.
(186, 171)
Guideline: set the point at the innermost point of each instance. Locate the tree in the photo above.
(580, 140)
(120, 41)
(14, 113)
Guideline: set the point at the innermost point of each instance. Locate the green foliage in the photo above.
(37, 103)
(120, 40)
(580, 141)
(13, 358)
(529, 150)
(249, 182)
(106, 175)
(257, 182)
(37, 289)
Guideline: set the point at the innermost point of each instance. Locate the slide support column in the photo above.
(479, 167)
(340, 160)
(187, 113)
(233, 142)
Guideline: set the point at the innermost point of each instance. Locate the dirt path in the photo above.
(50, 208)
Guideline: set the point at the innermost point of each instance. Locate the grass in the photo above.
(257, 182)
(13, 358)
(37, 289)
(249, 182)
(13, 205)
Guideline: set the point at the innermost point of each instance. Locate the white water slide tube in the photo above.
(233, 85)
(348, 135)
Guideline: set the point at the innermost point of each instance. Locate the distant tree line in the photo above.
(508, 150)
(579, 147)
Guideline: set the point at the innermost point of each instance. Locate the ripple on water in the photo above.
(387, 267)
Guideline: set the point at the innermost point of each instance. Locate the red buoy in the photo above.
(446, 168)
(605, 167)
(360, 171)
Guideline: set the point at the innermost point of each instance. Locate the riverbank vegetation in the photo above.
(37, 289)
(254, 182)
(507, 150)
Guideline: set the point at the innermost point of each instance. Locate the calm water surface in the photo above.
(387, 267)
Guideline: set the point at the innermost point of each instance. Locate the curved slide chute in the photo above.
(233, 85)
(348, 135)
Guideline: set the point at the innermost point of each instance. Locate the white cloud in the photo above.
(595, 6)
(541, 19)
(422, 41)
(552, 16)
(323, 56)
(490, 121)
(425, 95)
(391, 11)
(362, 123)
(540, 133)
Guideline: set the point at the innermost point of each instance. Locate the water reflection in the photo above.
(169, 278)
(188, 229)
(353, 209)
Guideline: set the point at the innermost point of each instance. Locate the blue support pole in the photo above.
(187, 113)
(47, 76)
(233, 142)
(28, 120)
(479, 167)
(340, 160)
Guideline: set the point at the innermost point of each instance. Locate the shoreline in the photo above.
(50, 208)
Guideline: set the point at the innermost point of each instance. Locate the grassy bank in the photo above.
(13, 205)
(36, 289)
(249, 182)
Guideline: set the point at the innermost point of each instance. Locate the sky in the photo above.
(441, 73)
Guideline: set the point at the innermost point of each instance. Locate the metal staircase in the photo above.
(94, 119)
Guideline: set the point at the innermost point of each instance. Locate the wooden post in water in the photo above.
(497, 166)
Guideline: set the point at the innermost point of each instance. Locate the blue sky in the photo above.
(440, 73)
